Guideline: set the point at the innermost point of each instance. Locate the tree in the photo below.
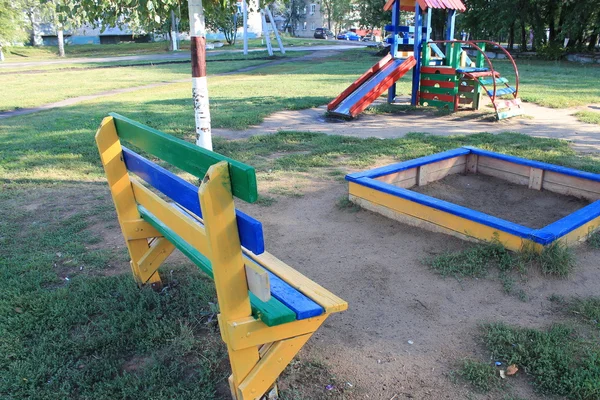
(294, 10)
(221, 16)
(336, 11)
(11, 24)
(372, 14)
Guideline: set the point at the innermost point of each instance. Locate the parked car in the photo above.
(323, 33)
(348, 36)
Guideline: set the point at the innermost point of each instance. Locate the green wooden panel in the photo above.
(439, 77)
(272, 312)
(431, 89)
(510, 113)
(187, 156)
(488, 81)
(437, 103)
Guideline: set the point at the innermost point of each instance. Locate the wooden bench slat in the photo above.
(272, 312)
(301, 304)
(329, 301)
(186, 194)
(184, 155)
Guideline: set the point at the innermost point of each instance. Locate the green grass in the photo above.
(476, 261)
(42, 53)
(589, 117)
(344, 203)
(71, 328)
(560, 360)
(594, 240)
(56, 85)
(211, 58)
(479, 374)
(556, 84)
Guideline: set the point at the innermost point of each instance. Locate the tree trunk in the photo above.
(552, 6)
(61, 43)
(593, 41)
(511, 37)
(199, 83)
(523, 46)
(1, 54)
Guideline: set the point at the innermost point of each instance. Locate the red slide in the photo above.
(370, 86)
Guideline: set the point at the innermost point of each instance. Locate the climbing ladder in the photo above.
(461, 82)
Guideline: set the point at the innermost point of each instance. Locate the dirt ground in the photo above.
(509, 201)
(376, 264)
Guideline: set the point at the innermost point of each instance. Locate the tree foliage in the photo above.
(549, 22)
(221, 16)
(12, 24)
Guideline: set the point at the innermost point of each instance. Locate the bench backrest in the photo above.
(257, 293)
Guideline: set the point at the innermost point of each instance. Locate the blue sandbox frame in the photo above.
(544, 236)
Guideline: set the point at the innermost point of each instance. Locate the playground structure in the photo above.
(386, 190)
(268, 310)
(449, 80)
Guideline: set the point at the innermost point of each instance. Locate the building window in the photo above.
(312, 26)
(313, 8)
(304, 26)
(304, 11)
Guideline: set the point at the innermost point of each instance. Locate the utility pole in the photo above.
(199, 83)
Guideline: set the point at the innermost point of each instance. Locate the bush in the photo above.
(552, 52)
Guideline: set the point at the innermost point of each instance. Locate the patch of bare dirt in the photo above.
(500, 198)
(376, 265)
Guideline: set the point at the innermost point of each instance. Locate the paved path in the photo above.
(183, 55)
(541, 122)
(323, 52)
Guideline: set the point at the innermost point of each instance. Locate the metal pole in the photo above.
(245, 13)
(199, 83)
(274, 26)
(394, 45)
(266, 33)
(417, 53)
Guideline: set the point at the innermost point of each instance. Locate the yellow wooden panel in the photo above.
(258, 281)
(110, 150)
(581, 233)
(323, 297)
(252, 332)
(139, 229)
(438, 217)
(270, 366)
(184, 227)
(159, 250)
(225, 254)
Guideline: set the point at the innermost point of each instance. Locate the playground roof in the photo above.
(409, 5)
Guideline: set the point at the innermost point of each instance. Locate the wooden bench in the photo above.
(268, 310)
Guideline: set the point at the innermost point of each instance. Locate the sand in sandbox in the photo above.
(502, 199)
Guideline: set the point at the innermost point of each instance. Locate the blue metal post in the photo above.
(428, 37)
(394, 45)
(417, 53)
(450, 25)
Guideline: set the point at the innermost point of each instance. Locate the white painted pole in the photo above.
(266, 33)
(173, 31)
(274, 26)
(245, 13)
(199, 83)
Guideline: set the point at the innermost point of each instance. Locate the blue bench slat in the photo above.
(300, 304)
(186, 194)
(502, 92)
(293, 299)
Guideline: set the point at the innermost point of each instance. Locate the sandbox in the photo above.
(477, 194)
